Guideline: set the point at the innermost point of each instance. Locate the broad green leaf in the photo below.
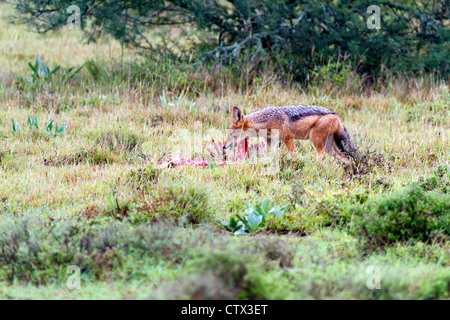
(44, 70)
(260, 211)
(265, 205)
(245, 222)
(254, 221)
(49, 126)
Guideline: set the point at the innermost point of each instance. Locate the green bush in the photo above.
(181, 202)
(30, 252)
(235, 275)
(38, 250)
(118, 140)
(408, 215)
(144, 176)
(439, 180)
(334, 75)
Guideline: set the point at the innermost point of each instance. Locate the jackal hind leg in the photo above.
(319, 142)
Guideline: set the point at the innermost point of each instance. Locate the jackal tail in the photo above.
(344, 143)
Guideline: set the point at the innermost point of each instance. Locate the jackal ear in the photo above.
(236, 114)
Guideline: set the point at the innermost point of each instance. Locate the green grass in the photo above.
(94, 197)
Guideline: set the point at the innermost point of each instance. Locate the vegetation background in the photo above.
(87, 116)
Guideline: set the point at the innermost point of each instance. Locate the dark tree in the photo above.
(292, 34)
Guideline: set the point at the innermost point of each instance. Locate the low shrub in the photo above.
(95, 155)
(181, 202)
(439, 180)
(223, 274)
(144, 176)
(277, 250)
(407, 215)
(121, 140)
(39, 250)
(362, 162)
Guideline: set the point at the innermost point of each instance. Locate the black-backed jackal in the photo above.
(322, 126)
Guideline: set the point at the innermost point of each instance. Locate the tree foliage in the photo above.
(294, 35)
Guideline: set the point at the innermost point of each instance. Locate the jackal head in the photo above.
(235, 131)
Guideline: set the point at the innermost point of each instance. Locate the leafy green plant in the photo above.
(234, 226)
(255, 218)
(33, 123)
(40, 70)
(15, 126)
(252, 221)
(173, 102)
(58, 130)
(49, 126)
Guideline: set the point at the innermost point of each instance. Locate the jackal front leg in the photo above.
(289, 142)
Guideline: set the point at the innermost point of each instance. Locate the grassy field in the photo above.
(93, 196)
